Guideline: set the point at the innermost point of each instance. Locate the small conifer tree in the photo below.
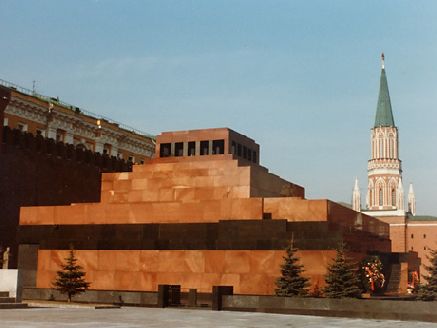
(341, 278)
(428, 292)
(291, 283)
(70, 280)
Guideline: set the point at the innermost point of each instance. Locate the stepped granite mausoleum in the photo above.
(201, 213)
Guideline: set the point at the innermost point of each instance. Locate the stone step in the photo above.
(4, 306)
(4, 294)
(7, 300)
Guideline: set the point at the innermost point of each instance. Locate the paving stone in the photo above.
(181, 318)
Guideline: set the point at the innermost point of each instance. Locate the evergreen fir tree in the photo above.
(428, 292)
(341, 278)
(291, 282)
(70, 280)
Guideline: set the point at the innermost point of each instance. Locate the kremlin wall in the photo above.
(201, 213)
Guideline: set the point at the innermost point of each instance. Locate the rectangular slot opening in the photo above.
(165, 150)
(204, 147)
(218, 146)
(179, 149)
(191, 148)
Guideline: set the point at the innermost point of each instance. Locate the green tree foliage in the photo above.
(341, 278)
(70, 280)
(291, 283)
(428, 292)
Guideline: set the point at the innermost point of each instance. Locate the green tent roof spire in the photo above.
(384, 114)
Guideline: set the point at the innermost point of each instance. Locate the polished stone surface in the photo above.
(148, 317)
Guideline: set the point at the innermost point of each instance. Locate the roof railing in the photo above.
(76, 109)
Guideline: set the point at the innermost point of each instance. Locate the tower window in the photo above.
(412, 236)
(424, 235)
(380, 197)
(381, 149)
(392, 148)
(393, 197)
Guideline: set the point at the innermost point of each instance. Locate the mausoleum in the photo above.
(203, 212)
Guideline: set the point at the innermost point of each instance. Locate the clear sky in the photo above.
(300, 77)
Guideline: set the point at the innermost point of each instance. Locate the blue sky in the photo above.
(300, 77)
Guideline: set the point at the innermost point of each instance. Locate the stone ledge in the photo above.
(351, 308)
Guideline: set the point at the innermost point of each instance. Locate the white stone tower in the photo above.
(411, 200)
(356, 197)
(385, 192)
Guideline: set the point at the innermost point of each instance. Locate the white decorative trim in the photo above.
(385, 213)
(421, 224)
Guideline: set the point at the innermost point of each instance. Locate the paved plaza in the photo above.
(151, 317)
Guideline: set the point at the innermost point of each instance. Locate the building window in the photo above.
(249, 155)
(233, 148)
(254, 157)
(165, 150)
(424, 235)
(89, 145)
(179, 149)
(244, 152)
(107, 149)
(239, 150)
(424, 248)
(81, 147)
(218, 146)
(22, 127)
(412, 248)
(204, 147)
(412, 236)
(5, 121)
(60, 135)
(191, 148)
